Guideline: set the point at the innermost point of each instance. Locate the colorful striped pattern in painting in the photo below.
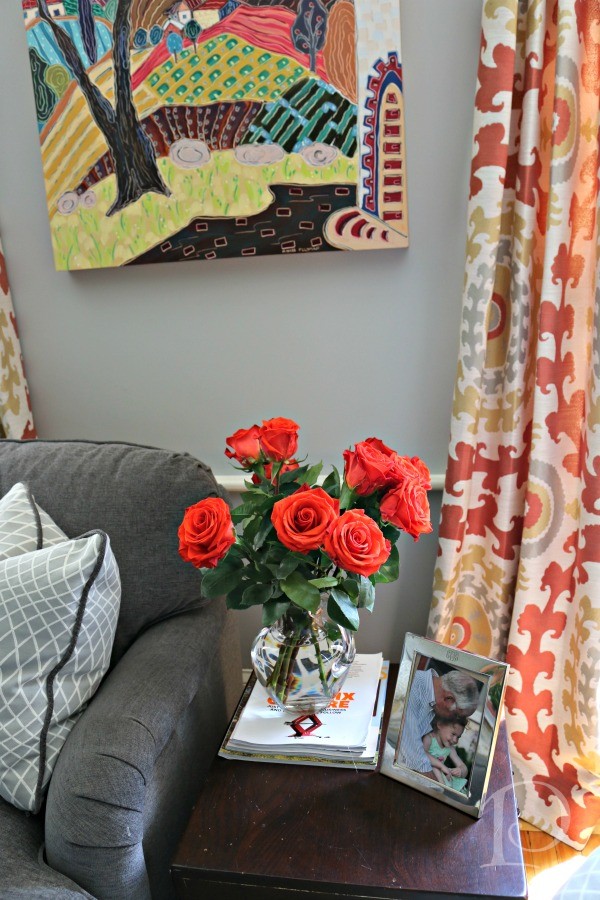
(310, 111)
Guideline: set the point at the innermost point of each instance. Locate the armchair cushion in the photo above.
(58, 614)
(24, 875)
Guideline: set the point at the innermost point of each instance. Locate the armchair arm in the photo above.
(97, 810)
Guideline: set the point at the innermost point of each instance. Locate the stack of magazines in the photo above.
(346, 734)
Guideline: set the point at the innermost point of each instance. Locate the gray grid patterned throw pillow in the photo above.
(23, 525)
(58, 615)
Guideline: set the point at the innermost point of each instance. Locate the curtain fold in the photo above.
(518, 571)
(16, 418)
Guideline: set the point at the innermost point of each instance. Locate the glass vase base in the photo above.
(302, 662)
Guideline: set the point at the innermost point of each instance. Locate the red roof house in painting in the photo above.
(56, 8)
(206, 12)
(30, 10)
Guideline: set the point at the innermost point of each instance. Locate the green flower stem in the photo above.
(283, 683)
(274, 677)
(290, 671)
(322, 675)
(280, 679)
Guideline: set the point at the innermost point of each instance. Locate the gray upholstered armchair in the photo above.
(128, 774)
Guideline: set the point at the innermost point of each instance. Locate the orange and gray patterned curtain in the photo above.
(518, 572)
(16, 419)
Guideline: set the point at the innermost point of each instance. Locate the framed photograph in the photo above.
(444, 722)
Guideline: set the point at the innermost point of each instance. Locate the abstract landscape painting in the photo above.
(203, 129)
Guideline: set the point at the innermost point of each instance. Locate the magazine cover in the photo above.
(298, 743)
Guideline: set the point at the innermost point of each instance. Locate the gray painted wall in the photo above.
(349, 345)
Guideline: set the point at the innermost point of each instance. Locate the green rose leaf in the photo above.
(257, 594)
(287, 565)
(366, 594)
(372, 510)
(263, 533)
(301, 592)
(293, 475)
(234, 597)
(273, 610)
(347, 497)
(322, 583)
(255, 490)
(263, 487)
(286, 489)
(325, 562)
(256, 504)
(351, 588)
(391, 532)
(341, 609)
(251, 529)
(235, 554)
(223, 579)
(311, 475)
(241, 512)
(331, 485)
(274, 553)
(389, 570)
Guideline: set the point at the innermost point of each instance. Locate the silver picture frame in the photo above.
(422, 692)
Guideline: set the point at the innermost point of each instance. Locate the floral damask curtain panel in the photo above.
(16, 419)
(518, 573)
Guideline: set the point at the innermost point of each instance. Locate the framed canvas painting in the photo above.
(202, 129)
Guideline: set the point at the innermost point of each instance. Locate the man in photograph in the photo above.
(455, 693)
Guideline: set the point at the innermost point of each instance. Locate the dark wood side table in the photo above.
(262, 831)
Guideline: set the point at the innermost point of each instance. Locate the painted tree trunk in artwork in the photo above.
(131, 149)
(135, 166)
(87, 26)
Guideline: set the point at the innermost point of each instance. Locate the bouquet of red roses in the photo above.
(301, 541)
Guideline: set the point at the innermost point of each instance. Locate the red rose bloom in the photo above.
(206, 533)
(407, 507)
(279, 439)
(356, 543)
(424, 473)
(379, 445)
(406, 469)
(245, 447)
(302, 519)
(369, 467)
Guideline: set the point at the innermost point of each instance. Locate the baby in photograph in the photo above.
(439, 744)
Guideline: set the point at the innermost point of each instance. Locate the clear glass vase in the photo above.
(302, 660)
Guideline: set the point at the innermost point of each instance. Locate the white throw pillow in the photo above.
(58, 615)
(23, 525)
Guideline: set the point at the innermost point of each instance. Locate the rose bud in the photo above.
(369, 468)
(245, 446)
(279, 439)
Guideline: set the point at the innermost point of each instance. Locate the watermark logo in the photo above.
(507, 838)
